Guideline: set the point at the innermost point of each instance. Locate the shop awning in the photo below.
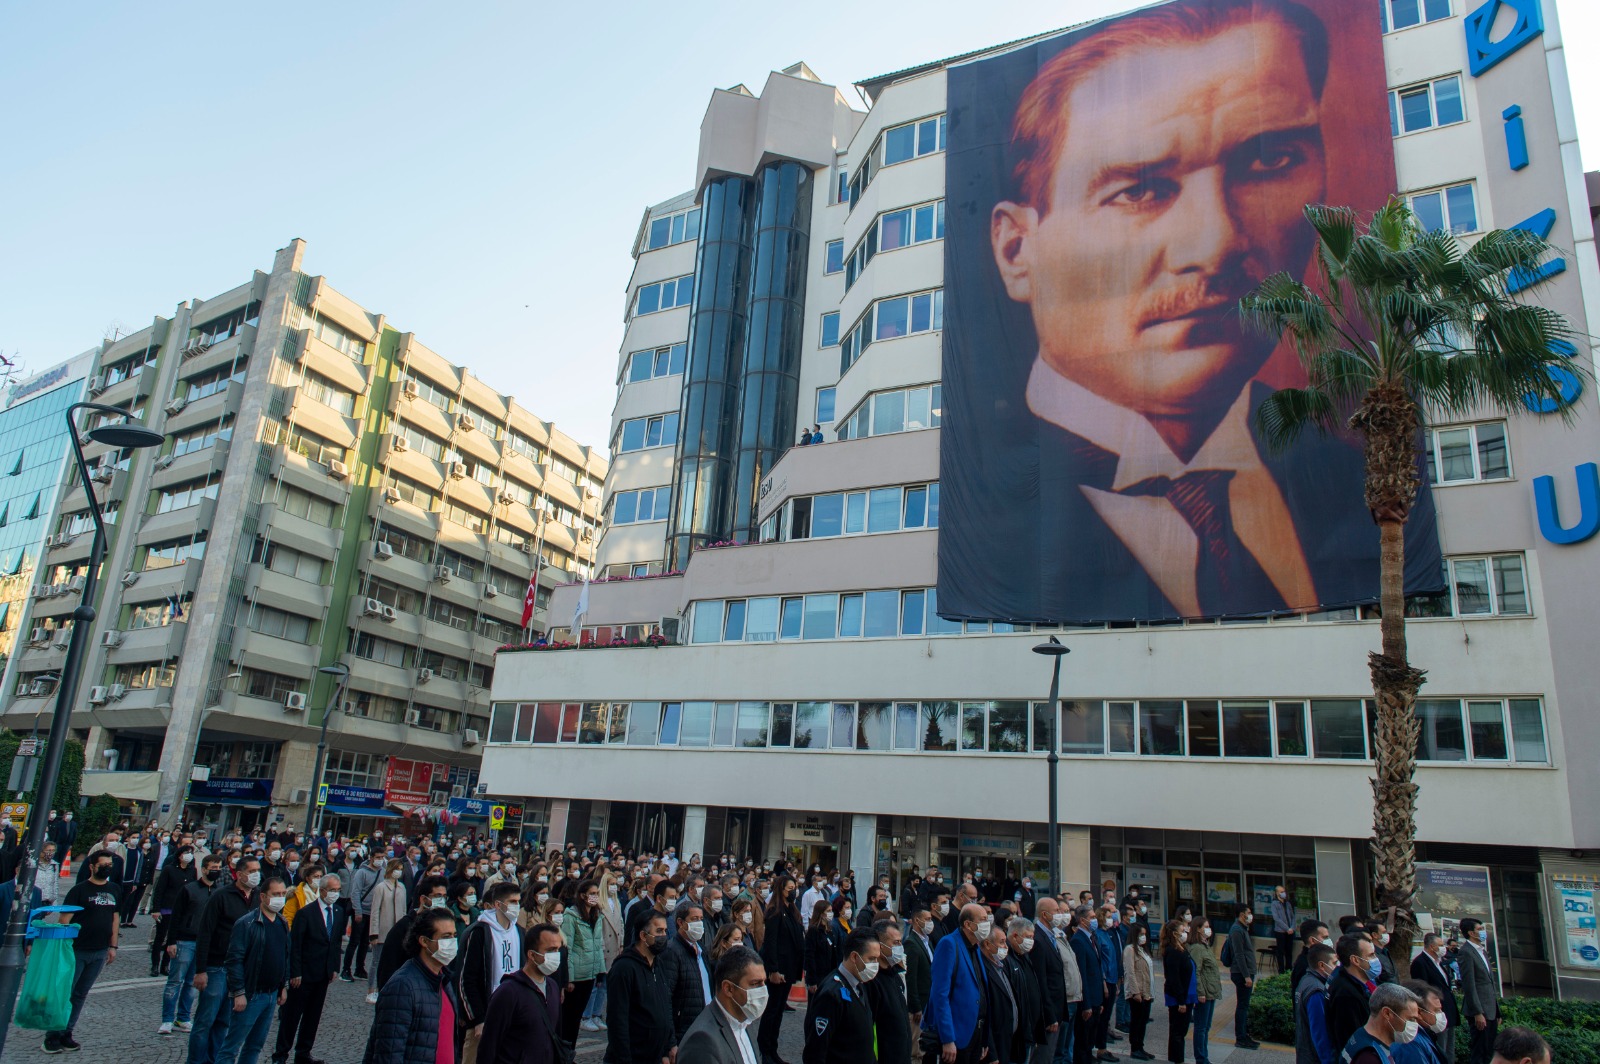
(134, 786)
(360, 810)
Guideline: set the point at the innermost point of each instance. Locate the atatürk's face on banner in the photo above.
(1177, 186)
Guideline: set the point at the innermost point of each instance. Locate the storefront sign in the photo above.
(1448, 894)
(355, 801)
(223, 791)
(471, 808)
(1222, 892)
(407, 784)
(809, 828)
(1582, 945)
(1005, 844)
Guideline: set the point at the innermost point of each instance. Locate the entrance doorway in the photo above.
(1183, 887)
(809, 857)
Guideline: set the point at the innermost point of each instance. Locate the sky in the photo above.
(476, 172)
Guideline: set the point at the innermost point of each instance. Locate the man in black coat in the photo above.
(315, 940)
(919, 944)
(839, 1019)
(684, 968)
(783, 954)
(521, 1023)
(638, 1000)
(1048, 969)
(1026, 990)
(1350, 987)
(63, 831)
(888, 996)
(1429, 966)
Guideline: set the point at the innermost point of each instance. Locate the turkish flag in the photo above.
(530, 598)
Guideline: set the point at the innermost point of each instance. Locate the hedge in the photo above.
(1571, 1027)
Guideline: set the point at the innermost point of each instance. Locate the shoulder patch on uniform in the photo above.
(822, 1025)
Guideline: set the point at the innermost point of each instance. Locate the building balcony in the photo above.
(190, 466)
(76, 498)
(74, 550)
(175, 524)
(130, 389)
(320, 418)
(301, 472)
(478, 444)
(210, 410)
(402, 626)
(333, 364)
(875, 461)
(158, 585)
(160, 643)
(297, 532)
(272, 654)
(421, 413)
(235, 348)
(268, 588)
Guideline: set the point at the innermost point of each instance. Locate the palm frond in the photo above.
(1287, 412)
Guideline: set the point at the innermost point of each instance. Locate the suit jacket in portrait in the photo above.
(313, 954)
(1480, 990)
(710, 1040)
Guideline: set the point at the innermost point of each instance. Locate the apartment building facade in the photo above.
(814, 704)
(332, 495)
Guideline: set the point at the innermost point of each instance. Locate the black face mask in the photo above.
(101, 872)
(657, 944)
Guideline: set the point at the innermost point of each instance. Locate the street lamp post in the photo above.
(1055, 652)
(341, 670)
(126, 434)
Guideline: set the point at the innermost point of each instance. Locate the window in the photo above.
(891, 231)
(1451, 208)
(525, 446)
(1490, 586)
(459, 564)
(339, 338)
(279, 624)
(414, 492)
(834, 262)
(189, 493)
(656, 362)
(175, 552)
(297, 440)
(324, 391)
(1338, 729)
(412, 548)
(891, 319)
(208, 384)
(1246, 729)
(271, 685)
(665, 295)
(219, 329)
(442, 611)
(1401, 14)
(118, 372)
(158, 614)
(647, 504)
(441, 396)
(830, 329)
(913, 140)
(201, 438)
(1440, 736)
(383, 651)
(670, 229)
(824, 406)
(821, 617)
(290, 562)
(856, 512)
(1463, 454)
(1290, 721)
(1433, 103)
(1527, 730)
(903, 410)
(642, 432)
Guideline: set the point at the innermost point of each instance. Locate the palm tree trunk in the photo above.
(1388, 420)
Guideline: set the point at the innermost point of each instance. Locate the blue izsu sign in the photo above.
(1484, 53)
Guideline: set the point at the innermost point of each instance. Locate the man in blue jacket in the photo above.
(957, 1012)
(1110, 939)
(1086, 950)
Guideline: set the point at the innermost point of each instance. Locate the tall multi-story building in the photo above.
(35, 449)
(332, 495)
(815, 704)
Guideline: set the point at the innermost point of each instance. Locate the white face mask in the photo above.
(468, 900)
(869, 971)
(694, 930)
(1025, 945)
(395, 875)
(747, 917)
(1407, 1033)
(716, 905)
(253, 880)
(755, 1002)
(276, 904)
(314, 882)
(897, 955)
(549, 963)
(187, 858)
(1440, 1022)
(942, 909)
(1001, 953)
(985, 927)
(1183, 936)
(541, 898)
(330, 898)
(444, 950)
(1059, 920)
(438, 903)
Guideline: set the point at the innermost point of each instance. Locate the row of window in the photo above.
(891, 231)
(646, 504)
(1402, 14)
(657, 362)
(664, 295)
(418, 549)
(338, 337)
(854, 513)
(897, 144)
(657, 430)
(326, 392)
(189, 493)
(286, 561)
(1492, 730)
(404, 655)
(444, 399)
(900, 410)
(219, 329)
(119, 371)
(890, 319)
(201, 438)
(175, 551)
(671, 229)
(210, 383)
(304, 442)
(1433, 103)
(462, 618)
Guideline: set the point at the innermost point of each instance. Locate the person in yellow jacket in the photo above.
(305, 893)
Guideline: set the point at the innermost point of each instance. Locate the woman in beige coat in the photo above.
(1138, 983)
(388, 906)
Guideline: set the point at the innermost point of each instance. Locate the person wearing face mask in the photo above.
(887, 993)
(1138, 988)
(178, 873)
(491, 949)
(684, 968)
(956, 1021)
(310, 877)
(1480, 990)
(1312, 931)
(918, 944)
(1242, 964)
(96, 904)
(1422, 1048)
(1180, 985)
(1379, 933)
(721, 1033)
(1003, 1008)
(1350, 988)
(1312, 1044)
(611, 927)
(1026, 990)
(583, 928)
(390, 903)
(1431, 968)
(520, 1025)
(177, 997)
(316, 942)
(416, 1017)
(838, 1024)
(432, 894)
(1086, 1022)
(1208, 985)
(138, 872)
(364, 883)
(1391, 1021)
(213, 933)
(1284, 918)
(257, 968)
(639, 999)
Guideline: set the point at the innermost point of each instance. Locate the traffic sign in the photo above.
(322, 794)
(497, 817)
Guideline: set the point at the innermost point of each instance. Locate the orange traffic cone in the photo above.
(66, 866)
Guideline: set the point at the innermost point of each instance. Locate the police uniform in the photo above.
(839, 1027)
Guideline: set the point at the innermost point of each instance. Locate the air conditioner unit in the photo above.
(424, 675)
(506, 498)
(413, 716)
(481, 790)
(372, 608)
(458, 470)
(470, 737)
(117, 691)
(63, 636)
(112, 638)
(381, 549)
(75, 585)
(526, 548)
(389, 613)
(129, 579)
(97, 384)
(97, 696)
(458, 791)
(299, 796)
(338, 469)
(37, 688)
(442, 573)
(175, 406)
(490, 592)
(671, 626)
(196, 348)
(294, 702)
(165, 461)
(39, 636)
(84, 439)
(103, 474)
(391, 495)
(466, 422)
(409, 389)
(398, 442)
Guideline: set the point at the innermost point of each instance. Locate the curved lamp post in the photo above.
(341, 670)
(1053, 650)
(125, 434)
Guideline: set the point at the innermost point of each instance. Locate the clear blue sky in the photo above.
(477, 176)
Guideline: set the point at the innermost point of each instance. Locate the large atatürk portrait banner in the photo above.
(1111, 194)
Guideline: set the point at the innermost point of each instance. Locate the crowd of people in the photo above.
(474, 953)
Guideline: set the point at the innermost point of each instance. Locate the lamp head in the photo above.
(127, 434)
(335, 670)
(1052, 648)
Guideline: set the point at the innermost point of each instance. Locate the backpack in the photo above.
(1226, 958)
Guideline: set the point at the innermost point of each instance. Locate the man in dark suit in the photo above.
(1086, 952)
(1480, 990)
(956, 1020)
(887, 995)
(839, 1027)
(721, 1034)
(1429, 966)
(919, 943)
(1129, 237)
(314, 949)
(683, 967)
(1046, 962)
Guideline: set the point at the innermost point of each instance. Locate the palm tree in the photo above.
(1404, 326)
